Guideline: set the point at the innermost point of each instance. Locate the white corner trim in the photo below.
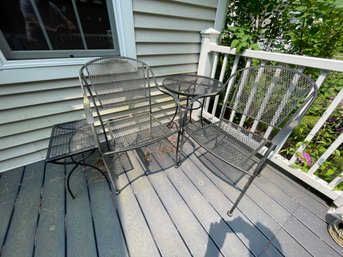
(219, 22)
(125, 27)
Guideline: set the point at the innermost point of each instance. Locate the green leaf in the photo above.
(235, 43)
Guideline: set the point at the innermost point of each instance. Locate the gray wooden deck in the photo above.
(161, 211)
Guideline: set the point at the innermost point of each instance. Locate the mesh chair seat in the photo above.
(134, 131)
(229, 142)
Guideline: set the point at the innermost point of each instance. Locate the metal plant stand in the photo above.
(68, 140)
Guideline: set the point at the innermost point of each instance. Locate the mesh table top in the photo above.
(70, 138)
(192, 85)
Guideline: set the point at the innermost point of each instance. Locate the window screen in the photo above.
(57, 28)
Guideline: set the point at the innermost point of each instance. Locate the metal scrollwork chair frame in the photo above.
(261, 107)
(118, 105)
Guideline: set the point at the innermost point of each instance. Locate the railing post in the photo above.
(209, 36)
(205, 60)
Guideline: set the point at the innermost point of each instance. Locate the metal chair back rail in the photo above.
(261, 106)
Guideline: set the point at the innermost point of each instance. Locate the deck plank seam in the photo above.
(320, 238)
(275, 200)
(83, 169)
(114, 201)
(140, 208)
(13, 208)
(196, 218)
(187, 156)
(65, 209)
(183, 201)
(122, 231)
(218, 212)
(295, 216)
(147, 175)
(295, 199)
(39, 210)
(281, 225)
(234, 185)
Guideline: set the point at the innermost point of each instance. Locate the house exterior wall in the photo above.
(34, 95)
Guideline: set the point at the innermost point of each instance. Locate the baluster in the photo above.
(252, 94)
(282, 104)
(221, 78)
(326, 155)
(232, 115)
(213, 73)
(266, 99)
(336, 181)
(234, 69)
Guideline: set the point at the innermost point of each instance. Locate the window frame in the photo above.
(121, 20)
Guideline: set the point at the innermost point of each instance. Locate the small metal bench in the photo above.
(68, 140)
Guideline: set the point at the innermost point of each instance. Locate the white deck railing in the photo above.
(208, 61)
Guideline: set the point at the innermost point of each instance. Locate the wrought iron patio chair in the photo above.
(261, 107)
(117, 99)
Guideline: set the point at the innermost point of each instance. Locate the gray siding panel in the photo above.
(143, 20)
(33, 99)
(168, 36)
(170, 8)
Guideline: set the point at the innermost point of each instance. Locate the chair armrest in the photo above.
(285, 132)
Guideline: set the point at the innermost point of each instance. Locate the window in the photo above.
(57, 28)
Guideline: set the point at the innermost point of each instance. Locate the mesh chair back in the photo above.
(268, 94)
(114, 81)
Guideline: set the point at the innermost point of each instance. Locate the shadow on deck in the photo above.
(161, 211)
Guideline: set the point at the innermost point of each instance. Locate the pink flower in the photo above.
(307, 158)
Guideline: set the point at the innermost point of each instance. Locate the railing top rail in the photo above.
(307, 61)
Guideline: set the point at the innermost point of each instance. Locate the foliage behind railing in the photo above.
(320, 173)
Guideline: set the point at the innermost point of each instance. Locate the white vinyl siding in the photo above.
(32, 99)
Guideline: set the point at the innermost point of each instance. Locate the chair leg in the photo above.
(246, 186)
(256, 173)
(116, 191)
(178, 150)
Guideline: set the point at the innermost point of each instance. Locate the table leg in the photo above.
(83, 163)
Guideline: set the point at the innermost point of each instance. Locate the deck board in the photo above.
(271, 251)
(288, 246)
(297, 192)
(9, 186)
(263, 201)
(21, 235)
(314, 223)
(310, 241)
(160, 211)
(247, 206)
(218, 229)
(157, 217)
(50, 231)
(139, 239)
(273, 191)
(81, 240)
(110, 237)
(250, 235)
(185, 220)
